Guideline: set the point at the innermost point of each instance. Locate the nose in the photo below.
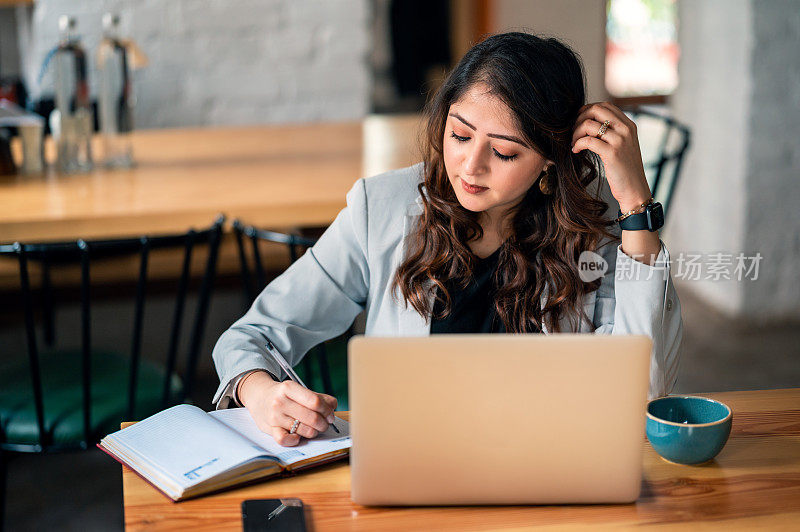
(475, 162)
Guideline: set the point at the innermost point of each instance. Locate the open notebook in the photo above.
(185, 452)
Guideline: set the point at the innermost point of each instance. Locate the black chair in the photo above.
(664, 158)
(66, 400)
(254, 279)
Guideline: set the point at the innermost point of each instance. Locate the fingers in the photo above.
(306, 431)
(283, 437)
(603, 149)
(331, 400)
(309, 417)
(605, 108)
(318, 402)
(283, 403)
(302, 429)
(620, 115)
(602, 111)
(591, 128)
(590, 119)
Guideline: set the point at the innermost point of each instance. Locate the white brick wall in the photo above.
(221, 62)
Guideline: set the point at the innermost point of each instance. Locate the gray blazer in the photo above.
(351, 267)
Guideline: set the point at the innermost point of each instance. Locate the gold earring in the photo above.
(545, 183)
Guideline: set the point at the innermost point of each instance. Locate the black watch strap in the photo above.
(652, 219)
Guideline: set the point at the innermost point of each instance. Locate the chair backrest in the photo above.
(82, 252)
(664, 142)
(255, 278)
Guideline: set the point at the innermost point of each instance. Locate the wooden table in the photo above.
(277, 177)
(753, 483)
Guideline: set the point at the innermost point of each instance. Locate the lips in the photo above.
(472, 189)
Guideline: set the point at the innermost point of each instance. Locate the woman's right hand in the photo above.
(275, 405)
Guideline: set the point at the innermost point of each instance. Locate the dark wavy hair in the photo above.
(541, 80)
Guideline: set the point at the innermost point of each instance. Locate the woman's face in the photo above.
(489, 165)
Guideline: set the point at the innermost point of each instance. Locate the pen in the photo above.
(289, 371)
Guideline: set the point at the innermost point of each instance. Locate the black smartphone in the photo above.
(285, 515)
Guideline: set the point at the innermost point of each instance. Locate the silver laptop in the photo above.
(498, 419)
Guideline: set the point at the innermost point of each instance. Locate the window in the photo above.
(641, 48)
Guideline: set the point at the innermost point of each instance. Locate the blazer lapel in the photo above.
(410, 322)
(566, 323)
(542, 302)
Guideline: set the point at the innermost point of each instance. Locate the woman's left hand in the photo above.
(618, 148)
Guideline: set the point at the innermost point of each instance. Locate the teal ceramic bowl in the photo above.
(688, 430)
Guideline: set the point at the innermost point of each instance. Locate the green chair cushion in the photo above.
(63, 395)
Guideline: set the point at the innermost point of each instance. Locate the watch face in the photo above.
(655, 215)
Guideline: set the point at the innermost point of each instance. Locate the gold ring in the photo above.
(294, 426)
(603, 129)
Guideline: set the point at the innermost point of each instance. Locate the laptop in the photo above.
(497, 418)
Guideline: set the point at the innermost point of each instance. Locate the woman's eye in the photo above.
(499, 155)
(504, 157)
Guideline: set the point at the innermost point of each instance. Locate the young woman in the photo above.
(487, 234)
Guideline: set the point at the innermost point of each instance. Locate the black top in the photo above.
(472, 308)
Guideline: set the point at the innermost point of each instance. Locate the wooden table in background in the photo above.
(752, 484)
(277, 177)
(280, 177)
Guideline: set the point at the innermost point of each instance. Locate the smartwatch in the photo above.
(652, 219)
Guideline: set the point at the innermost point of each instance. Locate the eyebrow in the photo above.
(492, 135)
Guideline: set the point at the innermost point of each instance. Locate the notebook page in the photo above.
(187, 444)
(239, 419)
